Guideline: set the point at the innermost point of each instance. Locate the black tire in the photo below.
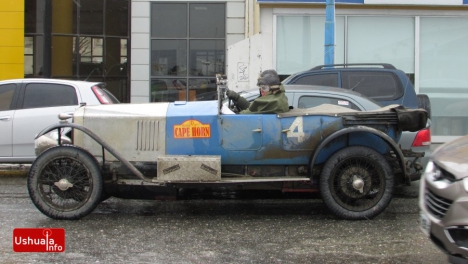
(79, 175)
(355, 165)
(424, 103)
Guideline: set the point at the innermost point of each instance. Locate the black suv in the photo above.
(379, 81)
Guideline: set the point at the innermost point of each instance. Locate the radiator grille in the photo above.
(147, 135)
(437, 205)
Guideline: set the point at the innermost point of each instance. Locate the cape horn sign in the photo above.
(192, 129)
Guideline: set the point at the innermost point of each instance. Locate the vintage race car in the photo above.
(350, 157)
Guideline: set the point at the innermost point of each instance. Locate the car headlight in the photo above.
(429, 166)
(465, 183)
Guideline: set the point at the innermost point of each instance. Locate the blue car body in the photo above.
(257, 139)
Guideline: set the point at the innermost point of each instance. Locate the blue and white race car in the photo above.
(350, 157)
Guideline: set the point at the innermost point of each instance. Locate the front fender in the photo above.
(99, 140)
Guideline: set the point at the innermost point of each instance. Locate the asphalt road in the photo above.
(249, 230)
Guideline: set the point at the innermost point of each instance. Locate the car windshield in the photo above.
(249, 95)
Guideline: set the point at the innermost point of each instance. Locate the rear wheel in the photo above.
(356, 183)
(65, 182)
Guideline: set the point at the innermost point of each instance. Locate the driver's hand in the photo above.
(232, 95)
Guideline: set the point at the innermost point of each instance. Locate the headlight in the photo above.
(429, 166)
(465, 183)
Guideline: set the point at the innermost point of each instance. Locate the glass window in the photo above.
(169, 20)
(300, 42)
(168, 90)
(88, 41)
(207, 21)
(48, 95)
(116, 57)
(206, 57)
(117, 17)
(382, 40)
(89, 49)
(329, 79)
(169, 57)
(30, 16)
(91, 17)
(313, 101)
(6, 96)
(123, 50)
(202, 89)
(185, 57)
(379, 86)
(28, 55)
(443, 72)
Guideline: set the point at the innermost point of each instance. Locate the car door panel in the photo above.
(35, 120)
(8, 98)
(242, 132)
(6, 133)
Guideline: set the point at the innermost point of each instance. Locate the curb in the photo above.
(13, 173)
(14, 169)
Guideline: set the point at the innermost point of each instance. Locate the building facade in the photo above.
(152, 50)
(179, 46)
(425, 38)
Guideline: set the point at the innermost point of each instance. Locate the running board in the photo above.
(244, 179)
(233, 180)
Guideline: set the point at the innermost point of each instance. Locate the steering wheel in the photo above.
(232, 105)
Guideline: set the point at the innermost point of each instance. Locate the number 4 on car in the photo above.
(350, 157)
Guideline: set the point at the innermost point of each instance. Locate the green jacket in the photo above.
(272, 103)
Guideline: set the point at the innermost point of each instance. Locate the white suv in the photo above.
(27, 106)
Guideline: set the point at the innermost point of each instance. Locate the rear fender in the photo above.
(319, 149)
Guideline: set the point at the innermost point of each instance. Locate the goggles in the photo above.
(264, 87)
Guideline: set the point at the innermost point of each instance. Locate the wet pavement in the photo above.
(221, 227)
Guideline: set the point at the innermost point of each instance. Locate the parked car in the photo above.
(27, 105)
(443, 199)
(379, 81)
(416, 144)
(350, 156)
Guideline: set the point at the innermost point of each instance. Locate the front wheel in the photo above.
(65, 182)
(356, 183)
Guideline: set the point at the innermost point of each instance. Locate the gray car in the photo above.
(306, 96)
(443, 199)
(29, 105)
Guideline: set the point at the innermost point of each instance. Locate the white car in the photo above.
(29, 105)
(443, 199)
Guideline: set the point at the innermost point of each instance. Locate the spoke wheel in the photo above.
(356, 183)
(65, 183)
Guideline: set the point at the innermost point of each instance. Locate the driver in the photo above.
(272, 99)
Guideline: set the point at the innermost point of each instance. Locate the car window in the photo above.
(6, 96)
(47, 95)
(328, 79)
(381, 86)
(313, 101)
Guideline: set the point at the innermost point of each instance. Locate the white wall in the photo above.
(140, 52)
(248, 58)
